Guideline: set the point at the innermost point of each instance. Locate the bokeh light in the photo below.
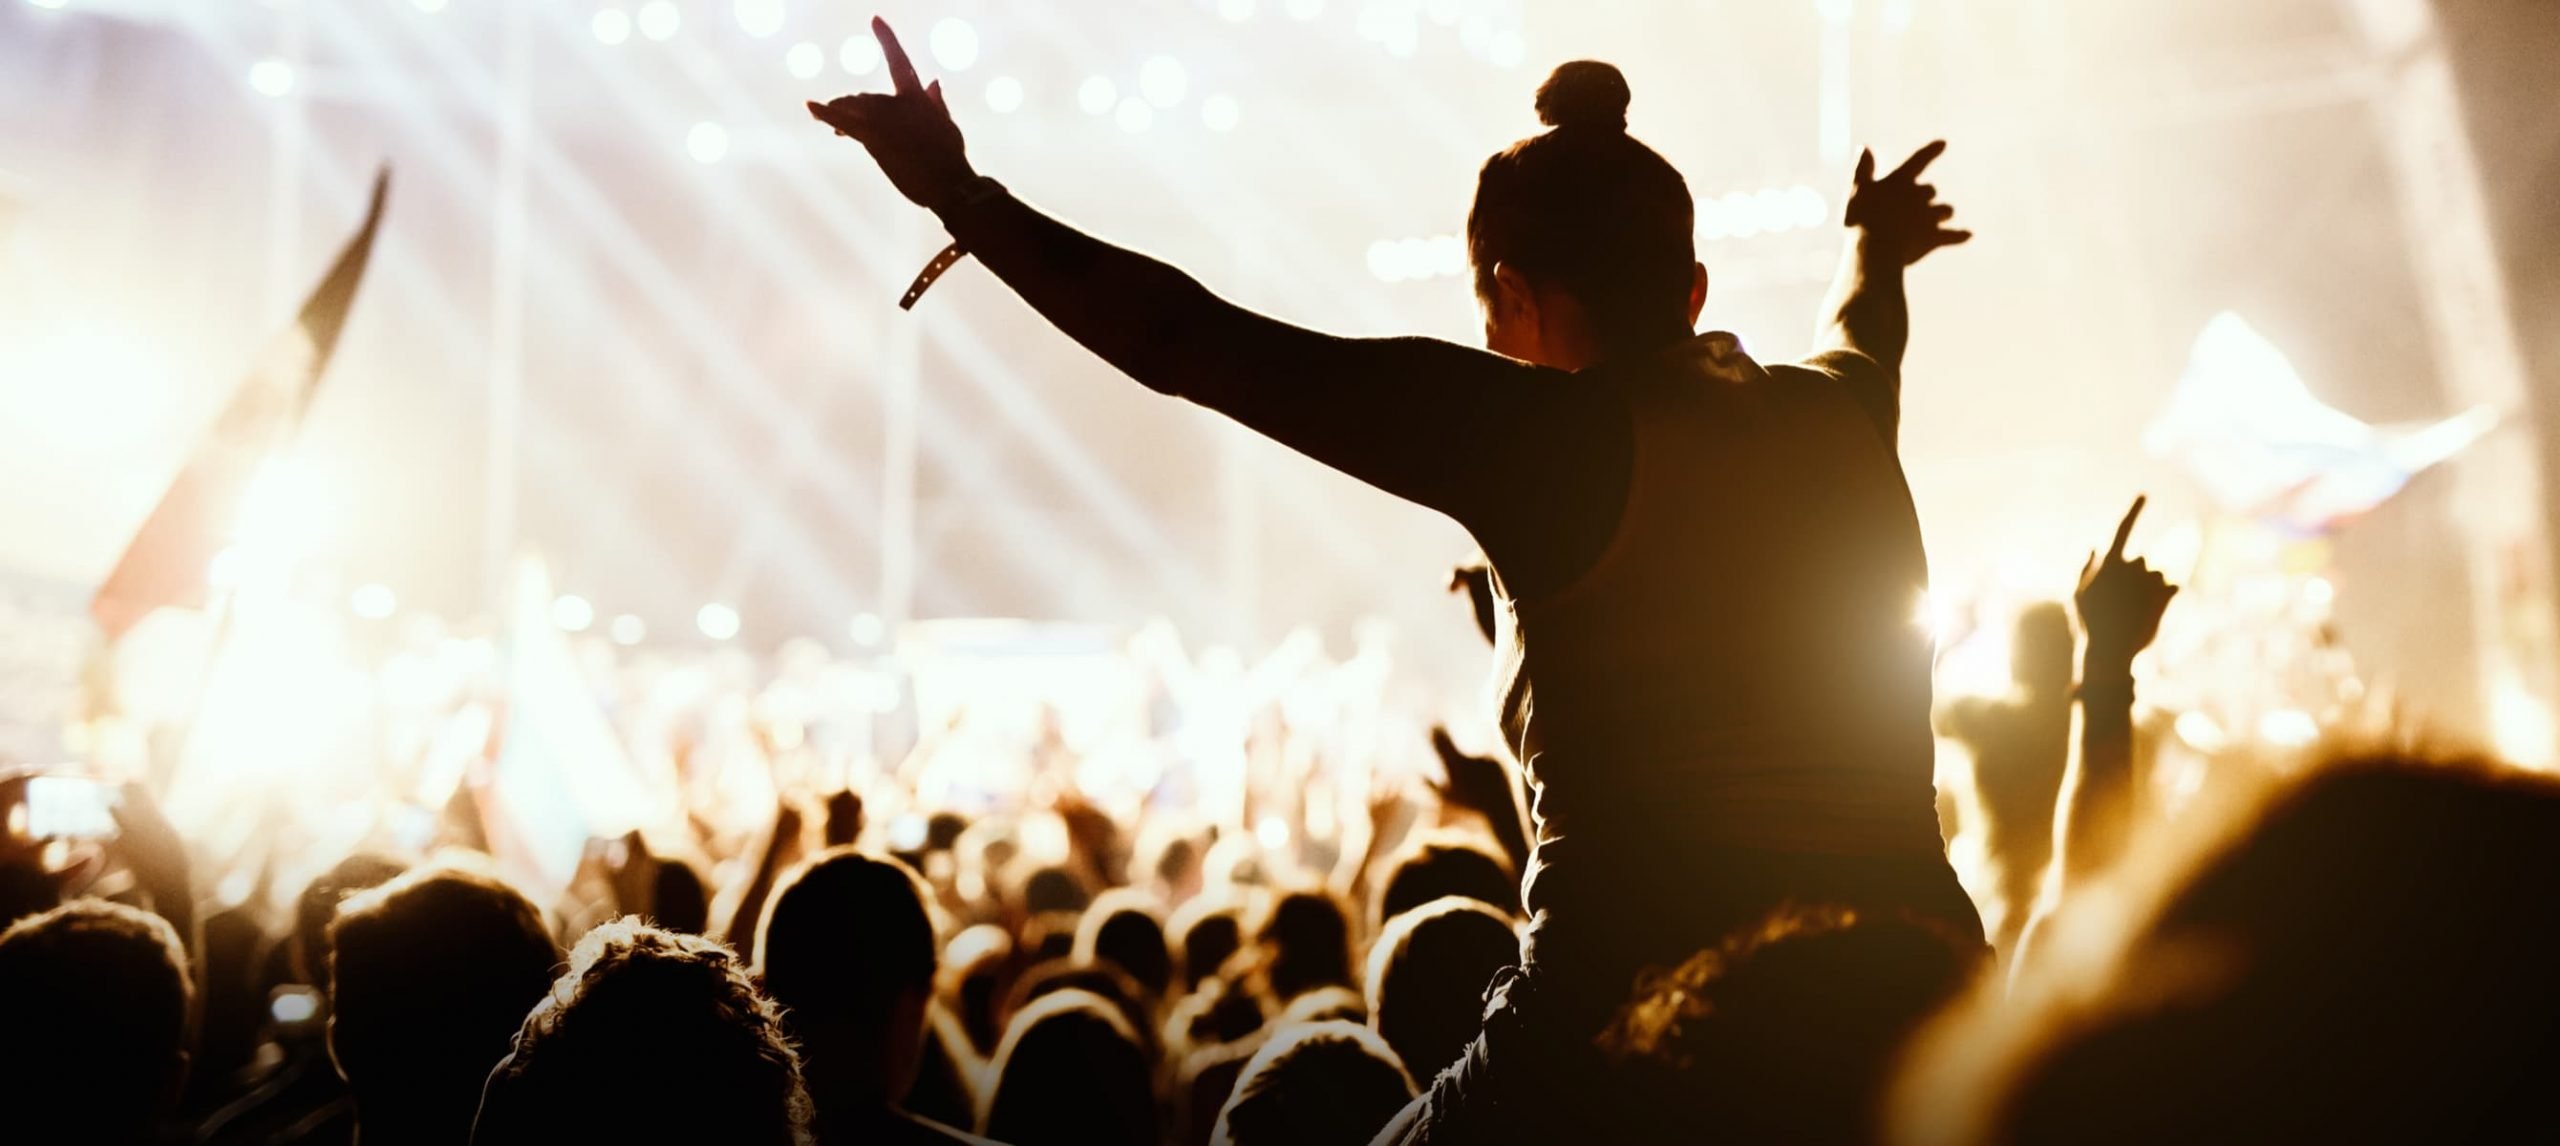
(1163, 81)
(271, 77)
(1004, 94)
(1098, 95)
(610, 25)
(860, 54)
(954, 42)
(660, 20)
(1220, 113)
(707, 142)
(805, 60)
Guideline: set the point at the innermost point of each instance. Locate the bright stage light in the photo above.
(572, 613)
(1386, 262)
(860, 55)
(2520, 726)
(1220, 113)
(55, 4)
(271, 77)
(2288, 728)
(429, 5)
(707, 142)
(866, 629)
(286, 511)
(1835, 11)
(1444, 12)
(1272, 832)
(1004, 94)
(1741, 218)
(223, 572)
(805, 60)
(1777, 213)
(373, 602)
(628, 630)
(1236, 10)
(717, 621)
(2201, 732)
(1134, 115)
(955, 43)
(1809, 207)
(1401, 260)
(1507, 50)
(1162, 81)
(760, 18)
(610, 25)
(1305, 9)
(1098, 95)
(659, 20)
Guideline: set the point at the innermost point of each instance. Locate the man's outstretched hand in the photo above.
(908, 130)
(1900, 215)
(2121, 601)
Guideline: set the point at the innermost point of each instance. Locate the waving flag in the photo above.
(2264, 446)
(167, 562)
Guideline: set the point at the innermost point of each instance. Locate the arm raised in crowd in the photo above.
(2120, 604)
(1895, 222)
(1486, 439)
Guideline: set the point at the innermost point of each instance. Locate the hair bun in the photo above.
(1584, 93)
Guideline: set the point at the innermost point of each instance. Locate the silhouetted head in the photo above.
(25, 889)
(1791, 1028)
(1054, 889)
(649, 1036)
(1582, 238)
(1101, 980)
(1445, 867)
(678, 900)
(977, 964)
(430, 975)
(1205, 932)
(1171, 859)
(1428, 973)
(1121, 929)
(318, 904)
(848, 950)
(2375, 952)
(1070, 1072)
(1306, 943)
(2042, 652)
(1332, 1082)
(97, 997)
(1049, 935)
(1325, 1005)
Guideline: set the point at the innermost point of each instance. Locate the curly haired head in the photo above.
(649, 1034)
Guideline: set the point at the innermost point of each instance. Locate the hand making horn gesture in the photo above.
(908, 131)
(1900, 214)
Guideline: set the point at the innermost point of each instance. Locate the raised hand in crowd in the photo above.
(1482, 785)
(1895, 221)
(2120, 603)
(783, 847)
(908, 130)
(1898, 218)
(149, 846)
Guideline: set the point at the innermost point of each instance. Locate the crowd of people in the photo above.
(1701, 891)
